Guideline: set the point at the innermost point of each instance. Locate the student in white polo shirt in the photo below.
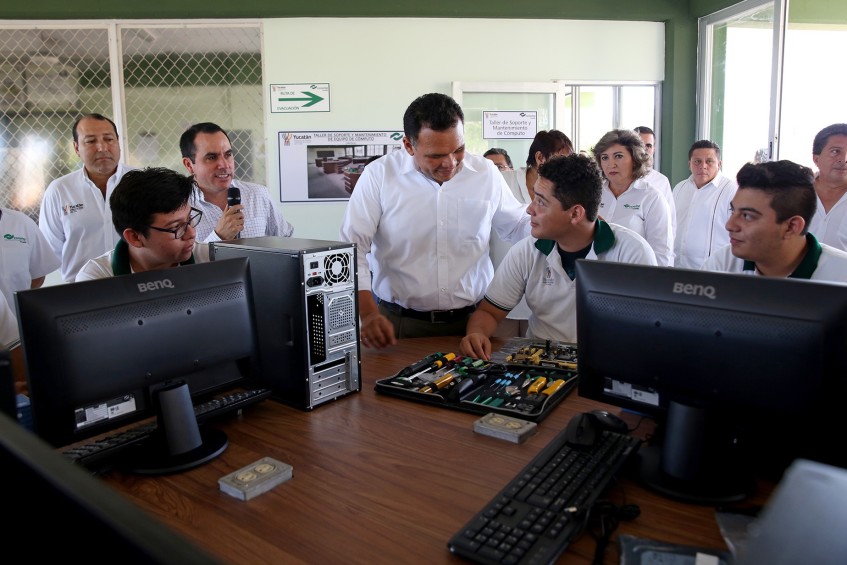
(565, 228)
(768, 227)
(158, 228)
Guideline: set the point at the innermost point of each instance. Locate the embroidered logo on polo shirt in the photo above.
(13, 237)
(72, 208)
(548, 277)
(632, 206)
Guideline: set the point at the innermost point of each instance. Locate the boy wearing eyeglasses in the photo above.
(151, 213)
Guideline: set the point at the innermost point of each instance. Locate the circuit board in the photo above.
(538, 353)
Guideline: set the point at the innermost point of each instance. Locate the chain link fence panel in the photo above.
(172, 75)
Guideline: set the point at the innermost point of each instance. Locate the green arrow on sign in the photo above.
(312, 99)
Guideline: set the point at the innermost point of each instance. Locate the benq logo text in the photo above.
(695, 290)
(155, 285)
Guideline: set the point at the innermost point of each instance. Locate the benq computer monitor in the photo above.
(102, 354)
(722, 361)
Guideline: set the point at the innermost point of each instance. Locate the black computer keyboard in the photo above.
(534, 518)
(99, 455)
(224, 405)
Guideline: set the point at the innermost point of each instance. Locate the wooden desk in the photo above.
(377, 479)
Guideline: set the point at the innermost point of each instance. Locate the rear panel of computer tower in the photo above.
(307, 315)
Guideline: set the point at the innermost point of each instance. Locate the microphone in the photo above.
(233, 197)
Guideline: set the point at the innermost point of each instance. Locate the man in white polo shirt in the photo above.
(75, 216)
(25, 255)
(767, 228)
(9, 336)
(565, 228)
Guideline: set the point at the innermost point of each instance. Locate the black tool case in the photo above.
(510, 384)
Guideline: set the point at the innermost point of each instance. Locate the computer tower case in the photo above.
(307, 315)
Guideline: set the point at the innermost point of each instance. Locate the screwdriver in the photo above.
(437, 364)
(415, 367)
(536, 386)
(548, 392)
(554, 387)
(439, 383)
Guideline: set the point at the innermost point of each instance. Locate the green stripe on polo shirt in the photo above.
(807, 266)
(120, 259)
(604, 239)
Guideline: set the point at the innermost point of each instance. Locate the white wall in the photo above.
(376, 67)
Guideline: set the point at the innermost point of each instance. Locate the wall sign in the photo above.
(322, 166)
(509, 125)
(305, 97)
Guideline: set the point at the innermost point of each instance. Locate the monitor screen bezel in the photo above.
(819, 306)
(199, 345)
(718, 426)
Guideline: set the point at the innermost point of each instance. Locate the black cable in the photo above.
(608, 516)
(637, 425)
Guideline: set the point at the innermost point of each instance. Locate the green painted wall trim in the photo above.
(679, 98)
(718, 85)
(646, 10)
(815, 11)
(700, 8)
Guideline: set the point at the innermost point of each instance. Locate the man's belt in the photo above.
(433, 317)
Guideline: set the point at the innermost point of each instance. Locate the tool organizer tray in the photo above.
(526, 378)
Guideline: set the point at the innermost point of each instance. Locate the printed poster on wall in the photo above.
(324, 166)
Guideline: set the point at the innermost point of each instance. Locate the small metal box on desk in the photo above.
(307, 315)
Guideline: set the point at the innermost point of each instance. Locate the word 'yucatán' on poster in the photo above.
(322, 166)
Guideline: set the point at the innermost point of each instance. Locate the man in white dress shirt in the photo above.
(207, 154)
(422, 219)
(829, 152)
(702, 206)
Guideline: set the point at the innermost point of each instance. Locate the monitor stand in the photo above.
(178, 444)
(699, 460)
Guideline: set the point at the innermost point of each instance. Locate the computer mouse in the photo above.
(583, 430)
(611, 422)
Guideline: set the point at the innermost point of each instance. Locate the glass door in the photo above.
(584, 111)
(549, 103)
(739, 81)
(812, 91)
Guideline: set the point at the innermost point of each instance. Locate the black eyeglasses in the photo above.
(179, 231)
